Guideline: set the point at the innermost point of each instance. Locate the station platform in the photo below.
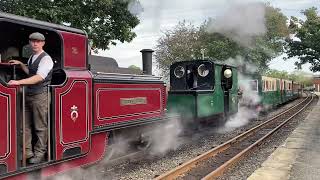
(299, 156)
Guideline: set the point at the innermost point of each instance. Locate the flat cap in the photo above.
(37, 36)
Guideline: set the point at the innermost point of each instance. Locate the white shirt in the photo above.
(45, 65)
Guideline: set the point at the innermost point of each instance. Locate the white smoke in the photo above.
(240, 119)
(241, 62)
(135, 7)
(248, 96)
(248, 86)
(80, 173)
(165, 137)
(120, 146)
(241, 22)
(69, 172)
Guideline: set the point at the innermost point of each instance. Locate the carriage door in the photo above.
(71, 115)
(8, 128)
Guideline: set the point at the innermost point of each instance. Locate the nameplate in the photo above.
(133, 101)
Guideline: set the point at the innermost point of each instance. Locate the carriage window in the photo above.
(254, 85)
(273, 85)
(265, 86)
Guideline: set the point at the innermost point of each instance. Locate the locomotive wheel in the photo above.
(221, 120)
(144, 142)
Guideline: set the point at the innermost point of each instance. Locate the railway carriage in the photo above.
(272, 91)
(287, 93)
(296, 90)
(86, 107)
(271, 95)
(202, 89)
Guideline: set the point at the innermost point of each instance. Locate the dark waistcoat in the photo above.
(33, 68)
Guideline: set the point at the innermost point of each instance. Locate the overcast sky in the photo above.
(158, 16)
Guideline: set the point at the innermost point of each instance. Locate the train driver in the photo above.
(39, 71)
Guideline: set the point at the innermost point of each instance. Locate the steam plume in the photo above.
(241, 23)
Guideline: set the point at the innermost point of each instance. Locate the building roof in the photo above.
(316, 76)
(109, 65)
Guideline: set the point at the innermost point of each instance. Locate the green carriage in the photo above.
(271, 93)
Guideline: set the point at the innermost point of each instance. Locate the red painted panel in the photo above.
(8, 127)
(126, 102)
(109, 106)
(97, 151)
(73, 112)
(75, 50)
(4, 128)
(75, 97)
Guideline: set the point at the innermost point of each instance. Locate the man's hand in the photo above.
(13, 82)
(24, 67)
(15, 62)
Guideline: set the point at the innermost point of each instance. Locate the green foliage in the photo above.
(308, 47)
(187, 42)
(134, 67)
(277, 74)
(216, 45)
(104, 20)
(179, 44)
(302, 77)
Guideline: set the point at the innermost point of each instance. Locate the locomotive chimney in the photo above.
(147, 61)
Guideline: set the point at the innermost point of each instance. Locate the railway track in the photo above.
(215, 162)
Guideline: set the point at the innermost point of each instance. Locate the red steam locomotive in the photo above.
(86, 106)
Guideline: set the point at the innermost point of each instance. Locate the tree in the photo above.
(277, 74)
(179, 44)
(134, 67)
(104, 20)
(302, 77)
(217, 45)
(307, 47)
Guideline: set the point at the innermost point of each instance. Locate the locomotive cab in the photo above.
(14, 45)
(202, 89)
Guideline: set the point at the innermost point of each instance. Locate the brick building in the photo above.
(316, 82)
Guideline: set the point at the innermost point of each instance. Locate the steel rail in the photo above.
(185, 167)
(220, 170)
